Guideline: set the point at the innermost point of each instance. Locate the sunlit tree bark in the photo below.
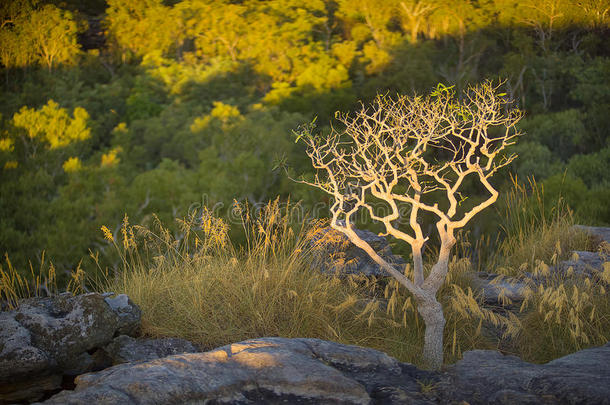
(398, 152)
(414, 14)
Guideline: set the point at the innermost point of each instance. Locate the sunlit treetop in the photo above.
(53, 125)
(37, 34)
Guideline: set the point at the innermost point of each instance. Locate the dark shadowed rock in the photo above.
(258, 371)
(128, 315)
(495, 288)
(125, 349)
(601, 234)
(334, 253)
(584, 263)
(488, 377)
(581, 377)
(46, 338)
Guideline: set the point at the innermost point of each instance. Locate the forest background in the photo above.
(150, 107)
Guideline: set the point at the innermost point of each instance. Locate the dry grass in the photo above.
(203, 289)
(566, 314)
(39, 283)
(200, 287)
(536, 229)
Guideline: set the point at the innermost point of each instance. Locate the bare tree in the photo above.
(416, 153)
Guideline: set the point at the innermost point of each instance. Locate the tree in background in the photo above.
(44, 35)
(414, 15)
(52, 125)
(53, 34)
(143, 26)
(406, 153)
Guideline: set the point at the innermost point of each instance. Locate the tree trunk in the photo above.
(432, 313)
(414, 31)
(418, 263)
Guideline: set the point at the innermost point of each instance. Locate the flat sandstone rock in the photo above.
(258, 371)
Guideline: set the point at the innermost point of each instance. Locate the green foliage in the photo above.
(589, 204)
(535, 160)
(202, 95)
(591, 168)
(537, 225)
(193, 101)
(562, 132)
(237, 161)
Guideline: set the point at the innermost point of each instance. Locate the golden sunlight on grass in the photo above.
(565, 315)
(202, 288)
(536, 228)
(40, 283)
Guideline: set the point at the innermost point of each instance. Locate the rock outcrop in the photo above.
(496, 288)
(334, 253)
(488, 377)
(583, 263)
(312, 371)
(45, 339)
(126, 349)
(589, 264)
(599, 234)
(258, 371)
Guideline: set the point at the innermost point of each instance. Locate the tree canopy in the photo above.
(151, 107)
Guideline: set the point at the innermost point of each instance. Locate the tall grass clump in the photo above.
(565, 314)
(563, 311)
(535, 228)
(201, 287)
(42, 282)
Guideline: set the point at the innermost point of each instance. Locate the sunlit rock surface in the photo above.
(258, 371)
(312, 371)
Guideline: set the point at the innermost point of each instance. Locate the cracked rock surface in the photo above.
(312, 371)
(46, 338)
(258, 371)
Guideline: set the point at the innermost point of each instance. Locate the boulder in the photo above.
(257, 371)
(584, 263)
(489, 377)
(600, 234)
(125, 349)
(45, 339)
(334, 253)
(497, 288)
(313, 371)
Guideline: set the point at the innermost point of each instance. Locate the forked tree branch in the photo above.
(399, 151)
